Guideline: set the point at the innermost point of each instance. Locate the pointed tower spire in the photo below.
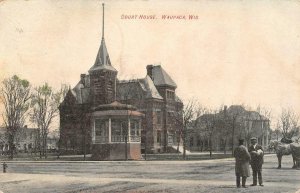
(102, 59)
(103, 21)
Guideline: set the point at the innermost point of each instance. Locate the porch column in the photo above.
(129, 134)
(140, 128)
(109, 130)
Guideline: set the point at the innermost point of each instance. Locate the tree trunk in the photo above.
(11, 145)
(145, 145)
(225, 143)
(178, 143)
(84, 148)
(39, 143)
(232, 146)
(184, 144)
(45, 146)
(126, 157)
(210, 147)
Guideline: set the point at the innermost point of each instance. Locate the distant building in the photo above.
(101, 113)
(228, 126)
(52, 143)
(25, 140)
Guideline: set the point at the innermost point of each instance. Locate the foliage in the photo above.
(45, 102)
(15, 95)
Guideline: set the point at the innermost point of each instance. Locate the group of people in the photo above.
(243, 157)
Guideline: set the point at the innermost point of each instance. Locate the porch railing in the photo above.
(117, 138)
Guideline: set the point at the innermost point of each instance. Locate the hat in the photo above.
(241, 141)
(253, 138)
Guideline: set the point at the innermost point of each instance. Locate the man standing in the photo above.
(242, 158)
(257, 159)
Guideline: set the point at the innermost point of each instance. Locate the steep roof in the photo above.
(161, 77)
(81, 93)
(151, 91)
(137, 88)
(102, 59)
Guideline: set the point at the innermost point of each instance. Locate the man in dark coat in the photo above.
(242, 158)
(257, 160)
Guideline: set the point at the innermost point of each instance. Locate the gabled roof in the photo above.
(161, 77)
(81, 93)
(151, 91)
(102, 59)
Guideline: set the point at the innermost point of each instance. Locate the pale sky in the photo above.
(236, 52)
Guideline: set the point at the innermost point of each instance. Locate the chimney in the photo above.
(82, 79)
(225, 109)
(149, 70)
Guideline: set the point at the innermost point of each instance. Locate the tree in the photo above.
(233, 116)
(209, 123)
(45, 102)
(225, 125)
(265, 114)
(288, 123)
(15, 95)
(184, 118)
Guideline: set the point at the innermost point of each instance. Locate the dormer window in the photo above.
(170, 95)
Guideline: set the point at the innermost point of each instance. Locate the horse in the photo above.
(295, 147)
(282, 149)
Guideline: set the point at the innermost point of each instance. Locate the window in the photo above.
(170, 95)
(159, 118)
(101, 127)
(158, 137)
(134, 127)
(170, 139)
(116, 127)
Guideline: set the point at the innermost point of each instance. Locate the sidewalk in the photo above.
(150, 157)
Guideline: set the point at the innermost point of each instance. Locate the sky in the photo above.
(236, 52)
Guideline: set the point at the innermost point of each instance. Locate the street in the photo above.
(143, 176)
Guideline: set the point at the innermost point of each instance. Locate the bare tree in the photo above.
(265, 115)
(225, 125)
(209, 122)
(45, 103)
(233, 116)
(15, 95)
(288, 123)
(277, 130)
(184, 119)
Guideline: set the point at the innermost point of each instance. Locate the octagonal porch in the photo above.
(116, 132)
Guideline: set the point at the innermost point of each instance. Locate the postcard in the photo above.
(149, 96)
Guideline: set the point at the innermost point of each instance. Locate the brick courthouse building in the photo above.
(108, 117)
